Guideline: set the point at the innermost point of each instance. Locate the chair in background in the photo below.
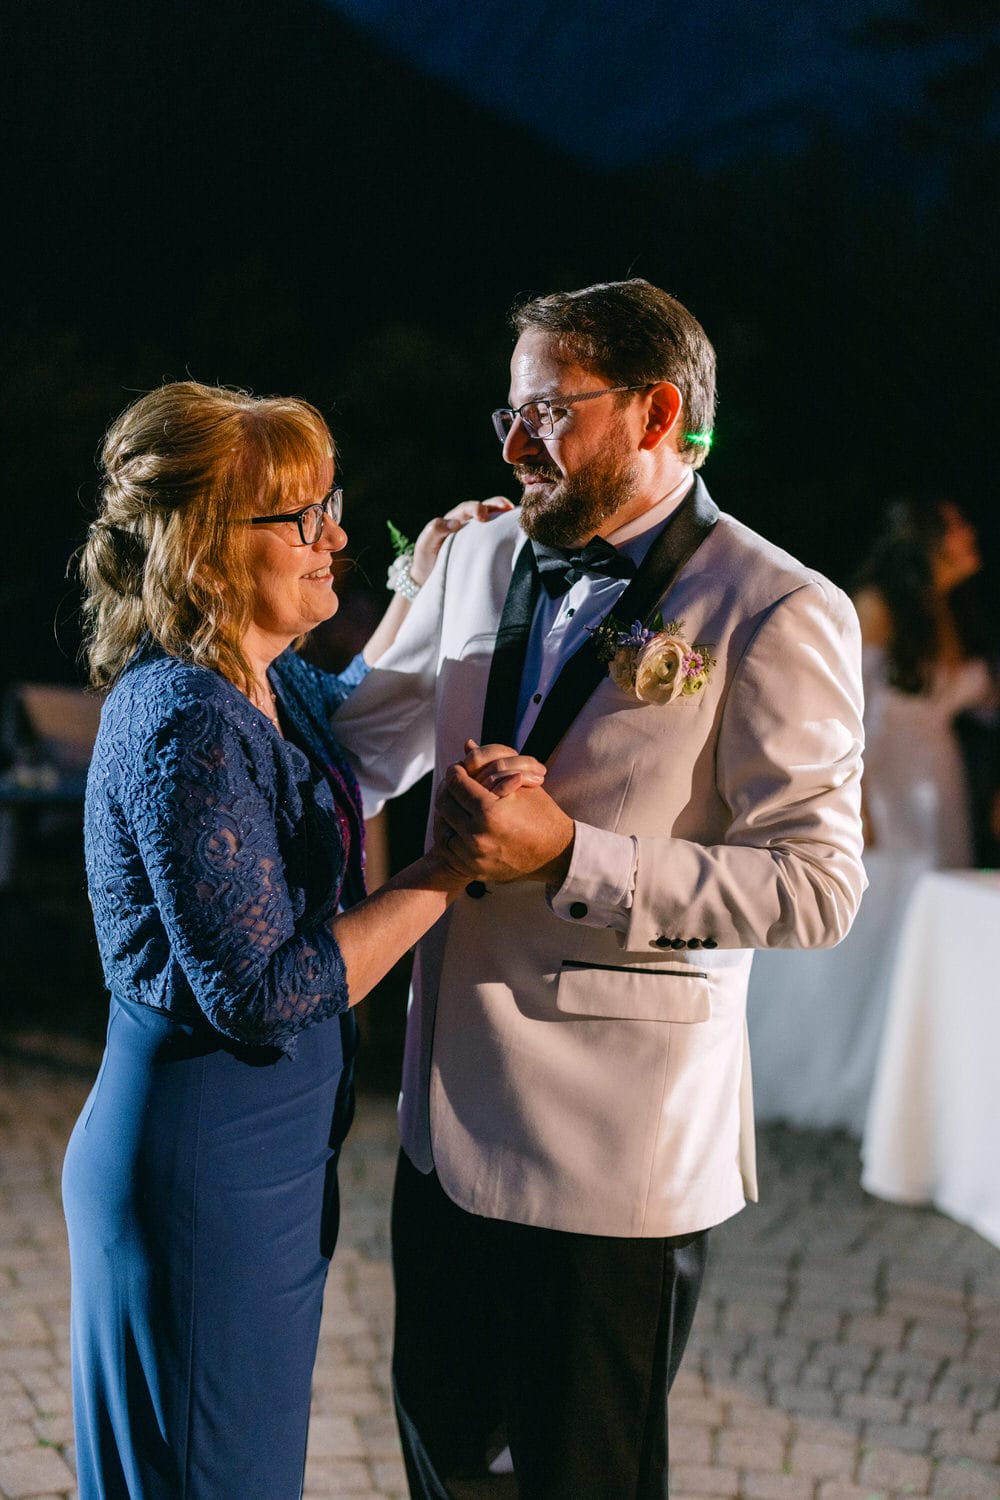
(47, 733)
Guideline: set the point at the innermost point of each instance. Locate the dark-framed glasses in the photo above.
(540, 417)
(311, 518)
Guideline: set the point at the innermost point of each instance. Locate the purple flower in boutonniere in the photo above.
(654, 665)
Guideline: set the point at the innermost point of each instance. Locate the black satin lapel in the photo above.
(677, 542)
(507, 666)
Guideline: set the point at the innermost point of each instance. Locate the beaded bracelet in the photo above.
(399, 579)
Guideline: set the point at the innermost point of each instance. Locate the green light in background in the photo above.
(706, 439)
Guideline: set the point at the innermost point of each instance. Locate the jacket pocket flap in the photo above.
(633, 994)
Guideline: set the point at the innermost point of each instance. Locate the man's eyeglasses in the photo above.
(540, 417)
(311, 518)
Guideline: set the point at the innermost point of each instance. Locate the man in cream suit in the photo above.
(576, 1101)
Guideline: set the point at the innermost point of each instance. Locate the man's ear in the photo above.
(663, 410)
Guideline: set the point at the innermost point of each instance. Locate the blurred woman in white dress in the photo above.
(816, 1018)
(920, 674)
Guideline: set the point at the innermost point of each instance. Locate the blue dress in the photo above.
(200, 1185)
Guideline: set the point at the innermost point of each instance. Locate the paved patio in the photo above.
(844, 1349)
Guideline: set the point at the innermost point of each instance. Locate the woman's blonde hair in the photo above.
(163, 558)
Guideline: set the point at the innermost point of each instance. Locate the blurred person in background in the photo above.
(224, 857)
(816, 1021)
(924, 667)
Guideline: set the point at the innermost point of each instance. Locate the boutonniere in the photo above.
(655, 665)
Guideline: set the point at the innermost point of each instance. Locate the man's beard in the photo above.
(574, 509)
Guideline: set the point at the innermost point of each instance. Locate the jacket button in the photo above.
(694, 942)
(710, 943)
(678, 943)
(578, 909)
(661, 942)
(475, 889)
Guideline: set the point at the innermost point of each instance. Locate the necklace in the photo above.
(264, 698)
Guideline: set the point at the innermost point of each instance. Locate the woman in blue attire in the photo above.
(224, 860)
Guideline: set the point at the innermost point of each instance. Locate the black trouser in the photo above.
(568, 1342)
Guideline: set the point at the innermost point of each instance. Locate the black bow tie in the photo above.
(561, 568)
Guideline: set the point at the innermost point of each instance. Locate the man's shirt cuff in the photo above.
(600, 881)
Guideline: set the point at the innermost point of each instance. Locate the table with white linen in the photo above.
(816, 1016)
(932, 1133)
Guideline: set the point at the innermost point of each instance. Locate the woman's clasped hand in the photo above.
(494, 820)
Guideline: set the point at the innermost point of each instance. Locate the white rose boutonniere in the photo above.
(653, 665)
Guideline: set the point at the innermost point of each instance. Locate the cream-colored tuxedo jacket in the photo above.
(577, 1077)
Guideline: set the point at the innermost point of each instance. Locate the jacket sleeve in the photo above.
(203, 820)
(788, 872)
(386, 726)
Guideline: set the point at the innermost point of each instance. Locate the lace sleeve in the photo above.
(346, 681)
(204, 823)
(323, 692)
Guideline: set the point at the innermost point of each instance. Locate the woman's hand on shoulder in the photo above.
(436, 532)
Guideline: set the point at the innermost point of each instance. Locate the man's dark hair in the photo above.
(633, 333)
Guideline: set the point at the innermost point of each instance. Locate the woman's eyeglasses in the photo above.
(311, 518)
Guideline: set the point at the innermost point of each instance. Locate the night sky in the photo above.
(615, 85)
(342, 200)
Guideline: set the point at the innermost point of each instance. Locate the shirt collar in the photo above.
(637, 536)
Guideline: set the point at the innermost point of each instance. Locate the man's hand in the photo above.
(494, 838)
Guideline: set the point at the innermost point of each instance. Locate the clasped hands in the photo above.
(494, 821)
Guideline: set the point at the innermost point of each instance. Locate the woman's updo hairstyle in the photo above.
(163, 558)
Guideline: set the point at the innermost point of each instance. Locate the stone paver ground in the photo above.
(844, 1349)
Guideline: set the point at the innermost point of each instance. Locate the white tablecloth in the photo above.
(815, 1018)
(933, 1128)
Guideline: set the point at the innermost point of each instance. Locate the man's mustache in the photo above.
(535, 471)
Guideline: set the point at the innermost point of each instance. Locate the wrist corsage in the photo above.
(399, 579)
(653, 665)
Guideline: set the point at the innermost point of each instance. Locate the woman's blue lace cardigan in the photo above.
(217, 851)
